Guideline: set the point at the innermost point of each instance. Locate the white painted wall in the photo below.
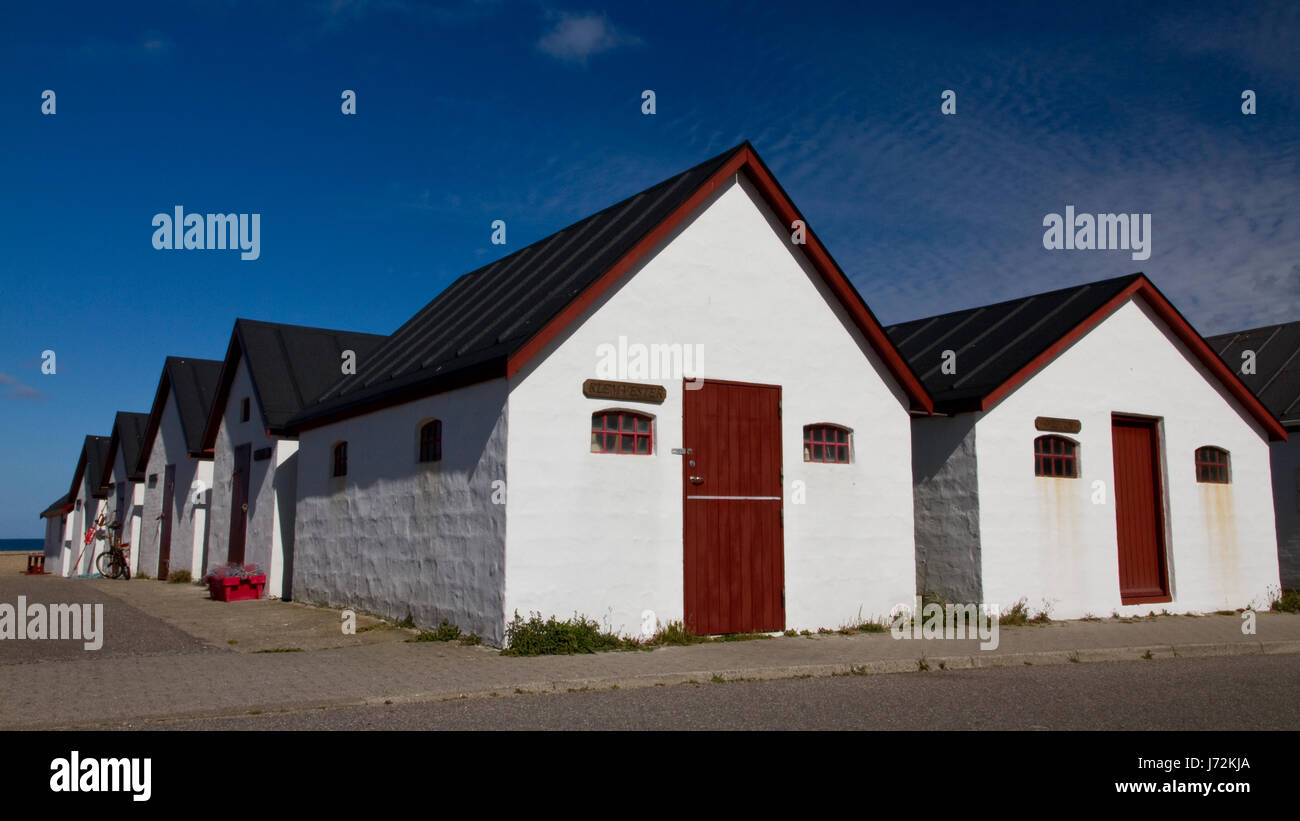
(1285, 459)
(189, 505)
(53, 547)
(79, 558)
(601, 534)
(399, 537)
(131, 515)
(270, 493)
(58, 543)
(1043, 538)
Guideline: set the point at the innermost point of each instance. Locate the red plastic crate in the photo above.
(236, 589)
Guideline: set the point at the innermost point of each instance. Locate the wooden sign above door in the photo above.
(1055, 425)
(624, 391)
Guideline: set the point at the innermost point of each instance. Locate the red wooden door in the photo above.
(1139, 511)
(239, 504)
(731, 477)
(165, 539)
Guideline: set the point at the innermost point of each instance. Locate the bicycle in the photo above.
(112, 563)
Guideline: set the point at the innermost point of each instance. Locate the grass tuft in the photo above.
(1287, 602)
(535, 636)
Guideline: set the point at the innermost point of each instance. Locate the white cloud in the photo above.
(576, 37)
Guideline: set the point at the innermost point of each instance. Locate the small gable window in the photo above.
(826, 443)
(1212, 465)
(153, 480)
(1056, 456)
(341, 459)
(243, 409)
(431, 441)
(621, 432)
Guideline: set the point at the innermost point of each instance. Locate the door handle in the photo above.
(697, 480)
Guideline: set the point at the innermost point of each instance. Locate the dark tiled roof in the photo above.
(194, 384)
(1276, 380)
(128, 434)
(94, 454)
(487, 315)
(291, 365)
(993, 342)
(58, 508)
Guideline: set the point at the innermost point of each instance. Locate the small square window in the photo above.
(621, 432)
(244, 409)
(1056, 457)
(826, 443)
(1212, 465)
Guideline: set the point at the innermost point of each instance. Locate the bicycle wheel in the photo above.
(105, 565)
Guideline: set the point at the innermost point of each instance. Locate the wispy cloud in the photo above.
(149, 44)
(12, 388)
(574, 38)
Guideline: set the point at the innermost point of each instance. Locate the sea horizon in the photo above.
(21, 545)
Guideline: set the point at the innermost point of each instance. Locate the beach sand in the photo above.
(13, 563)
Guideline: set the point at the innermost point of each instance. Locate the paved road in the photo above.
(127, 632)
(1234, 693)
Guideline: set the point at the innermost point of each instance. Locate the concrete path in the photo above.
(167, 653)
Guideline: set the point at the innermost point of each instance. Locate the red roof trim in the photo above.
(1181, 328)
(745, 160)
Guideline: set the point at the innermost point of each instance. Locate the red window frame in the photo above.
(623, 433)
(1056, 457)
(826, 443)
(431, 441)
(341, 459)
(1213, 465)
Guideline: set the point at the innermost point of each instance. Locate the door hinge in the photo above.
(778, 410)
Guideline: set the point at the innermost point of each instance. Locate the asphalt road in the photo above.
(1230, 693)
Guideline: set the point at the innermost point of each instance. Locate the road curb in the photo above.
(1041, 658)
(923, 664)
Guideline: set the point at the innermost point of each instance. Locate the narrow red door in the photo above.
(239, 504)
(1139, 511)
(731, 473)
(165, 538)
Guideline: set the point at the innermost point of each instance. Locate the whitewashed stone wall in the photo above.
(1286, 502)
(398, 537)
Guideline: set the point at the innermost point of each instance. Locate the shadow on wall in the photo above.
(946, 509)
(404, 538)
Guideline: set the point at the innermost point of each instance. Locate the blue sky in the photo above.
(530, 112)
